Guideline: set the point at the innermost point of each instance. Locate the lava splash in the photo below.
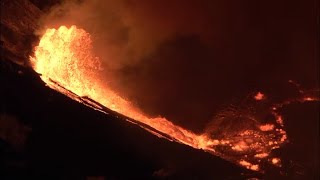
(65, 61)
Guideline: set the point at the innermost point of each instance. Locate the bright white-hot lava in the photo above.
(65, 61)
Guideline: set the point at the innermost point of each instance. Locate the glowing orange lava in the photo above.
(65, 61)
(276, 162)
(259, 96)
(267, 127)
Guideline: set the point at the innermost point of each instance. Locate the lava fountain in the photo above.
(65, 61)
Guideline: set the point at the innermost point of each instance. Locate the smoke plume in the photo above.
(185, 59)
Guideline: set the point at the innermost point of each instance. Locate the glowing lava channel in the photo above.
(66, 63)
(64, 56)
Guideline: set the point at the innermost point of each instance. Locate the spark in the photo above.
(259, 96)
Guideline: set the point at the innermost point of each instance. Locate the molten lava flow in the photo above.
(64, 58)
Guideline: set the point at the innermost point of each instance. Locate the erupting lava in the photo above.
(66, 63)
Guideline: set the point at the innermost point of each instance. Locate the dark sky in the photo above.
(187, 60)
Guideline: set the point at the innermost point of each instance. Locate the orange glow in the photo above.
(241, 146)
(65, 61)
(262, 155)
(310, 99)
(259, 96)
(279, 119)
(248, 165)
(276, 161)
(267, 127)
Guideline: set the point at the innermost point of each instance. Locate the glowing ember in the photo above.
(241, 146)
(262, 155)
(248, 165)
(279, 120)
(259, 96)
(267, 127)
(276, 162)
(64, 58)
(310, 99)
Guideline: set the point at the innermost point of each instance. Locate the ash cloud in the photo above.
(185, 59)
